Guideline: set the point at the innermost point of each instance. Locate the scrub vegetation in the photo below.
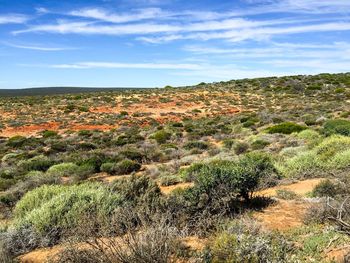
(253, 170)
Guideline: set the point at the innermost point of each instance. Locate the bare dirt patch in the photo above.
(300, 188)
(283, 215)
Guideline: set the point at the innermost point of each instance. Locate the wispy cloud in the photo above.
(103, 15)
(252, 33)
(116, 65)
(38, 48)
(13, 19)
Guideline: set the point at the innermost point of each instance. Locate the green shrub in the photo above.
(85, 133)
(16, 141)
(37, 163)
(132, 154)
(123, 167)
(241, 147)
(48, 134)
(161, 136)
(339, 126)
(259, 144)
(331, 146)
(196, 144)
(245, 242)
(227, 177)
(6, 183)
(325, 188)
(63, 169)
(127, 139)
(311, 137)
(330, 154)
(340, 160)
(62, 207)
(286, 128)
(303, 164)
(228, 143)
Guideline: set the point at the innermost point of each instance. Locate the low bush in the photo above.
(161, 136)
(16, 141)
(243, 241)
(62, 207)
(259, 144)
(240, 147)
(37, 163)
(311, 137)
(125, 166)
(338, 126)
(325, 188)
(239, 178)
(49, 133)
(196, 145)
(286, 128)
(132, 154)
(333, 153)
(63, 169)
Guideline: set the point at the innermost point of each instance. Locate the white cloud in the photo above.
(116, 65)
(252, 33)
(39, 48)
(13, 19)
(101, 14)
(42, 10)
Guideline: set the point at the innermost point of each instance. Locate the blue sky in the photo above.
(153, 43)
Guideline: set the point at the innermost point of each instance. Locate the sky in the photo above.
(153, 43)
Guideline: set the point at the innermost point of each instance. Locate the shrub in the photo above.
(16, 141)
(241, 178)
(48, 134)
(286, 128)
(240, 147)
(303, 164)
(85, 133)
(123, 167)
(63, 169)
(37, 163)
(243, 241)
(330, 154)
(228, 143)
(128, 166)
(132, 154)
(196, 144)
(259, 144)
(325, 188)
(6, 183)
(339, 126)
(62, 207)
(311, 137)
(127, 139)
(332, 146)
(161, 136)
(156, 243)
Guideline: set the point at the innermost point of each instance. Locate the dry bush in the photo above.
(151, 241)
(336, 211)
